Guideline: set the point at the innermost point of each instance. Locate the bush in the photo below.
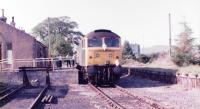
(143, 58)
(195, 61)
(127, 52)
(182, 59)
(153, 57)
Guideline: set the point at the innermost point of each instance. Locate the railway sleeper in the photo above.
(47, 99)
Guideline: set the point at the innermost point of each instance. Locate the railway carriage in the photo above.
(98, 57)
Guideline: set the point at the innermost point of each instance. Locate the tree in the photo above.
(127, 52)
(61, 33)
(143, 58)
(183, 51)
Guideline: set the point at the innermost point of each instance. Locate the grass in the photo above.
(165, 63)
(192, 69)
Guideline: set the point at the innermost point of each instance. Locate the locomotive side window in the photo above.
(83, 43)
(112, 42)
(95, 42)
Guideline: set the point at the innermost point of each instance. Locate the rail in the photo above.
(114, 104)
(38, 99)
(110, 102)
(5, 97)
(152, 103)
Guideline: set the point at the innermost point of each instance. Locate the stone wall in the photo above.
(57, 78)
(64, 77)
(11, 78)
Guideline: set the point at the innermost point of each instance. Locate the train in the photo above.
(98, 58)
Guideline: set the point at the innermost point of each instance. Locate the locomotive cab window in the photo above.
(112, 42)
(95, 42)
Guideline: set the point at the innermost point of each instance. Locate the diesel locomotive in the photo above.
(98, 58)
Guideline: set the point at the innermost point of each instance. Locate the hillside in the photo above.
(155, 49)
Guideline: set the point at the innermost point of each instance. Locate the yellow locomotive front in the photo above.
(103, 50)
(99, 55)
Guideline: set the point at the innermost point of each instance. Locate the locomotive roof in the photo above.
(101, 33)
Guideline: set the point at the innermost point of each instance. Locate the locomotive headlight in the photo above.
(97, 55)
(117, 62)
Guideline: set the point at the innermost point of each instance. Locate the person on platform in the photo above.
(68, 61)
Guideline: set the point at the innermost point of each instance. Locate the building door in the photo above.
(0, 52)
(0, 57)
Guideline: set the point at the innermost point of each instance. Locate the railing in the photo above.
(54, 63)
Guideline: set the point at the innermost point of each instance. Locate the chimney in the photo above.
(2, 12)
(3, 18)
(12, 23)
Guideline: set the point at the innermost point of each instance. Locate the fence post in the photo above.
(47, 77)
(51, 59)
(129, 71)
(12, 66)
(34, 64)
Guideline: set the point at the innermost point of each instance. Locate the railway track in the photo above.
(148, 101)
(8, 92)
(109, 101)
(23, 98)
(120, 98)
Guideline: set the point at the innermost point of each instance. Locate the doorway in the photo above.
(0, 52)
(0, 57)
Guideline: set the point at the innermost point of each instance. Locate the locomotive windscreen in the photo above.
(111, 42)
(95, 42)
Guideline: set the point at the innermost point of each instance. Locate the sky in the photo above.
(139, 21)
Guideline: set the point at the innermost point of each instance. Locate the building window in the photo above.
(9, 53)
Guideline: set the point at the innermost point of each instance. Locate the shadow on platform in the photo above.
(139, 82)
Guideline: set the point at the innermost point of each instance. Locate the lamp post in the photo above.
(49, 37)
(170, 49)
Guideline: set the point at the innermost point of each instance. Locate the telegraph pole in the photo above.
(170, 44)
(49, 38)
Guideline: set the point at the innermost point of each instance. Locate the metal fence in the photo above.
(54, 63)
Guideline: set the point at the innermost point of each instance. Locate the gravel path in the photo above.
(22, 99)
(173, 96)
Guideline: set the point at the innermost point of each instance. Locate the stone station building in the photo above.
(18, 48)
